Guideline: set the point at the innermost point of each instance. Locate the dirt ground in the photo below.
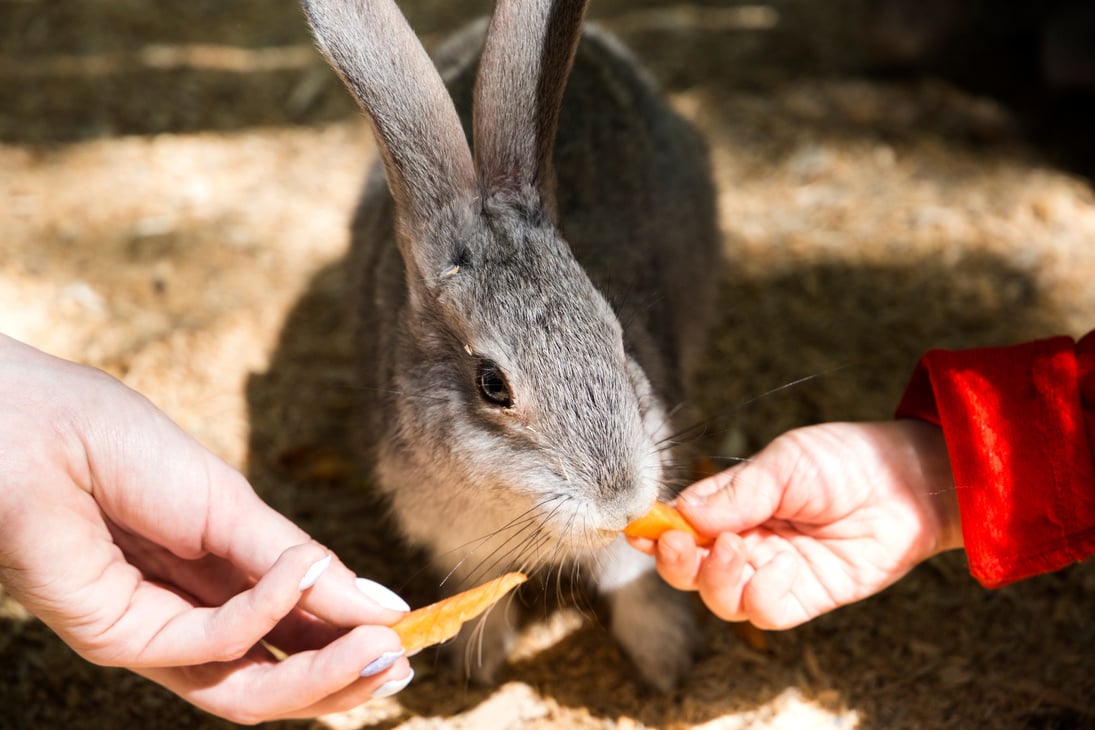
(175, 184)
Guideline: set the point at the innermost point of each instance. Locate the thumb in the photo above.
(734, 500)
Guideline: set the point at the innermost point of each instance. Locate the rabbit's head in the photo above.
(511, 383)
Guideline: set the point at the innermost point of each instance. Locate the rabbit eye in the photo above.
(492, 384)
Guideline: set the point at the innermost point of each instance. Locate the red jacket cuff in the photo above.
(1019, 424)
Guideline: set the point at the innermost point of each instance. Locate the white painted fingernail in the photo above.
(394, 686)
(382, 662)
(314, 572)
(382, 595)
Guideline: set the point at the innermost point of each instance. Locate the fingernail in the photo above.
(722, 552)
(382, 595)
(314, 572)
(698, 493)
(394, 686)
(692, 498)
(727, 550)
(382, 662)
(667, 552)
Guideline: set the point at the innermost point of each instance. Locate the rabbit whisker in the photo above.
(392, 391)
(522, 519)
(518, 529)
(529, 544)
(524, 549)
(697, 430)
(480, 629)
(731, 459)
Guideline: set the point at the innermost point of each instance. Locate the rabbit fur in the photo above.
(528, 316)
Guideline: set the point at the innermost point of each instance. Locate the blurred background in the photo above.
(176, 180)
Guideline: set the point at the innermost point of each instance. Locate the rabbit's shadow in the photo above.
(860, 329)
(302, 454)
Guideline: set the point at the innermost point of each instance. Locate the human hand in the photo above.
(141, 549)
(823, 517)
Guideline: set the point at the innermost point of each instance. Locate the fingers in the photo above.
(192, 636)
(365, 663)
(303, 630)
(731, 582)
(770, 600)
(212, 507)
(161, 628)
(642, 544)
(212, 656)
(678, 559)
(733, 500)
(386, 672)
(302, 686)
(251, 535)
(721, 573)
(723, 576)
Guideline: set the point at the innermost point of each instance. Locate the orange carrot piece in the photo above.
(442, 620)
(660, 519)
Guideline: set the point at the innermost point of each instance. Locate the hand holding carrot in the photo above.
(141, 549)
(823, 517)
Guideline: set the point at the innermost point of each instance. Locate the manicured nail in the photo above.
(390, 688)
(382, 595)
(382, 662)
(314, 572)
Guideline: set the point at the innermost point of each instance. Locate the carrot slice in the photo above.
(442, 620)
(662, 518)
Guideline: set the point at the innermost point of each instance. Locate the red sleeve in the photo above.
(1019, 423)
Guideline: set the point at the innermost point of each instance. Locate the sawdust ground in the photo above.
(175, 182)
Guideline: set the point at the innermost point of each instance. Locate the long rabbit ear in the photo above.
(382, 63)
(526, 60)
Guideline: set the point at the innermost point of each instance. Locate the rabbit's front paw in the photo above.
(654, 624)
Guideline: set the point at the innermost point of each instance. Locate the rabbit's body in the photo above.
(519, 372)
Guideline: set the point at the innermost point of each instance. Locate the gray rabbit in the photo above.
(530, 315)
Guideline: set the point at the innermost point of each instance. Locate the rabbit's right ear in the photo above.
(383, 64)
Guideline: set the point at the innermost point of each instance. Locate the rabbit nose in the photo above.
(638, 509)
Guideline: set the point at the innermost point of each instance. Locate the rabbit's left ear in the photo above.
(527, 57)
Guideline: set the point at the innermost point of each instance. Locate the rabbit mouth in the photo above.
(592, 541)
(585, 529)
(603, 537)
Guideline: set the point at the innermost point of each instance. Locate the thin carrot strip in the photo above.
(442, 620)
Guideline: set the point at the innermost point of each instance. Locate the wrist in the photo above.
(937, 489)
(949, 536)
